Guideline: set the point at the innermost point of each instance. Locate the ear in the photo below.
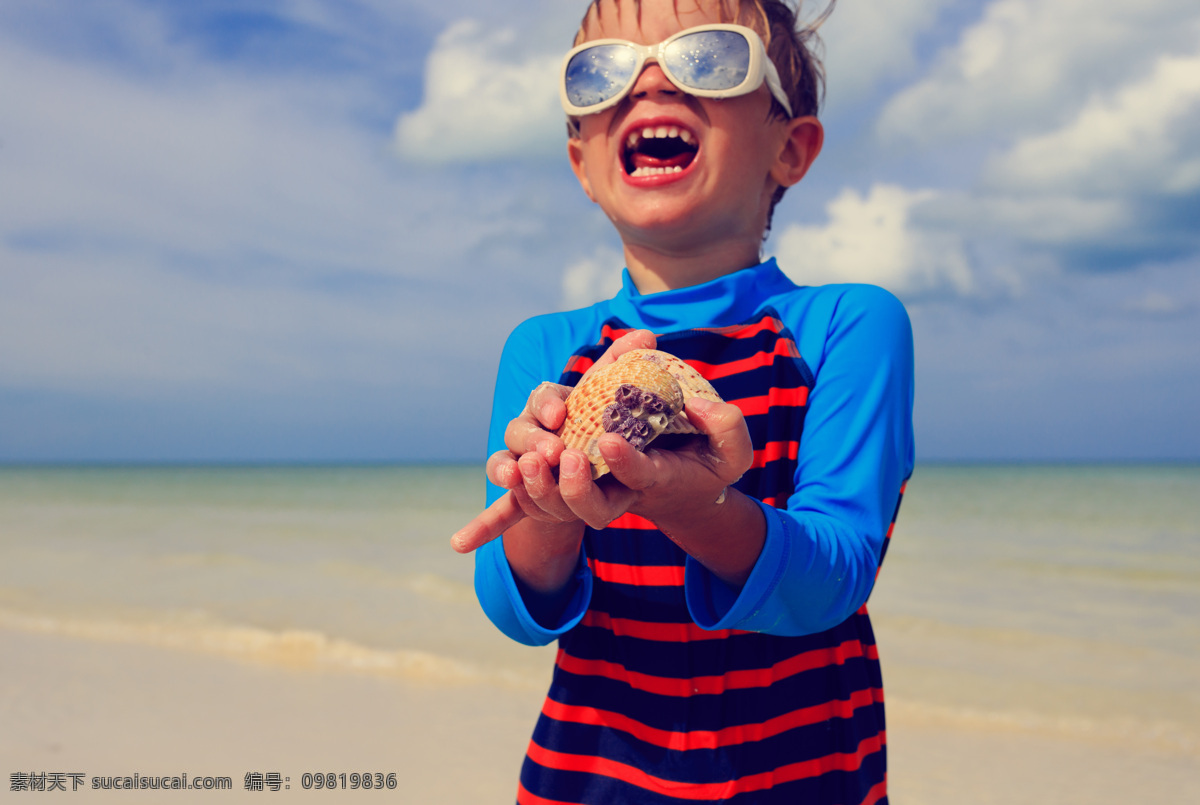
(804, 137)
(575, 155)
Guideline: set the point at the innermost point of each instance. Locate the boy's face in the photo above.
(725, 149)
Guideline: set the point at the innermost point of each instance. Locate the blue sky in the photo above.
(301, 230)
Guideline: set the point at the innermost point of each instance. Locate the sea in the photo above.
(1057, 598)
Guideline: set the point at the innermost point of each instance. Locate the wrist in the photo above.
(725, 535)
(543, 555)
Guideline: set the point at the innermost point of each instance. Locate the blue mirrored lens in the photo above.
(713, 60)
(597, 74)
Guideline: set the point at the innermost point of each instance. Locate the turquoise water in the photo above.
(1057, 598)
(1080, 551)
(1057, 590)
(353, 561)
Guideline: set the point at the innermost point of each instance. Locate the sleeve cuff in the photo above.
(516, 620)
(713, 604)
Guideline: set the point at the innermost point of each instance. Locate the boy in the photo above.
(708, 600)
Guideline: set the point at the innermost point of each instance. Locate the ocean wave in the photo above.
(1158, 573)
(440, 589)
(298, 649)
(1143, 733)
(428, 585)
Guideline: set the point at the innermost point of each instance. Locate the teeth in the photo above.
(656, 171)
(653, 132)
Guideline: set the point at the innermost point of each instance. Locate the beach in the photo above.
(105, 709)
(1039, 629)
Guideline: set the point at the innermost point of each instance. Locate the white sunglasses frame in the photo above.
(760, 69)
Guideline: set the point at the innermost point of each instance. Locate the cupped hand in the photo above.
(536, 463)
(665, 485)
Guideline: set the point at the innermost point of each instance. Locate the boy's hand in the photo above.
(670, 486)
(527, 468)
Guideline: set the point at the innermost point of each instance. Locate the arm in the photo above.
(528, 614)
(533, 583)
(793, 572)
(819, 557)
(539, 560)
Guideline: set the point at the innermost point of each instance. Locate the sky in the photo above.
(300, 230)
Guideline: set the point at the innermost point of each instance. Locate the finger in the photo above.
(628, 465)
(532, 510)
(546, 406)
(729, 445)
(488, 524)
(524, 435)
(636, 339)
(589, 502)
(541, 487)
(501, 469)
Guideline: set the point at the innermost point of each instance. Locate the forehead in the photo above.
(651, 21)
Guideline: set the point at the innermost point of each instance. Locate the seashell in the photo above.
(691, 383)
(640, 396)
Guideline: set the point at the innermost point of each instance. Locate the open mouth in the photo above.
(659, 150)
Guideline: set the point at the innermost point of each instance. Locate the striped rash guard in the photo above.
(670, 686)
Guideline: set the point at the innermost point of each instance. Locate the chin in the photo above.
(666, 232)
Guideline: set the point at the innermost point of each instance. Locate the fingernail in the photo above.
(571, 464)
(528, 471)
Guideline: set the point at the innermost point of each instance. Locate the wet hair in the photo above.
(795, 50)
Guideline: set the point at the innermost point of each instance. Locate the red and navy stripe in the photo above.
(647, 707)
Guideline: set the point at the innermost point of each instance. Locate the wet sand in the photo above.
(116, 709)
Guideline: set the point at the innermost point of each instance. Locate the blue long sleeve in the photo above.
(527, 360)
(821, 555)
(822, 552)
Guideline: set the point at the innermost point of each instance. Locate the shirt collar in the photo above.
(727, 300)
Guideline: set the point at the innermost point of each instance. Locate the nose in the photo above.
(653, 81)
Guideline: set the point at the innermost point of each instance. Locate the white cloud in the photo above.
(486, 97)
(1089, 160)
(1156, 304)
(1031, 64)
(1109, 187)
(874, 240)
(592, 279)
(122, 325)
(209, 225)
(212, 165)
(1141, 138)
(1046, 219)
(866, 43)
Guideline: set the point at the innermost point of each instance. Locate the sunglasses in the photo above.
(708, 61)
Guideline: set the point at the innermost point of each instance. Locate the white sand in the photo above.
(117, 709)
(113, 709)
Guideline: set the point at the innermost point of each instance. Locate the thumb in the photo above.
(635, 339)
(729, 442)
